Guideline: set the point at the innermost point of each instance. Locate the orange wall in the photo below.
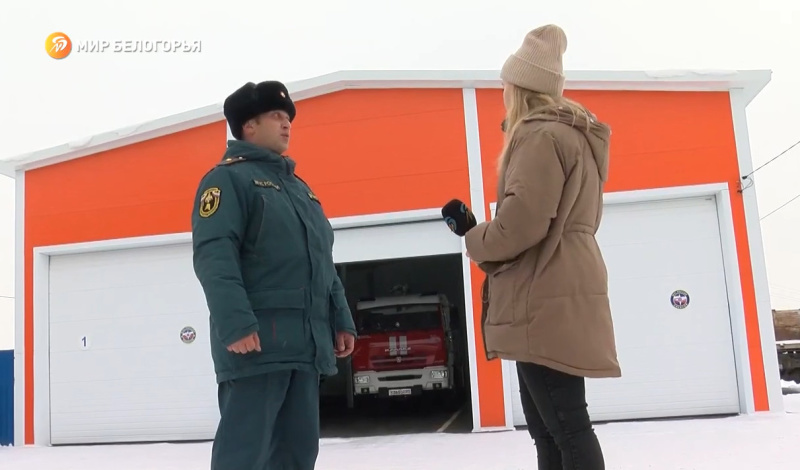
(362, 151)
(373, 151)
(659, 139)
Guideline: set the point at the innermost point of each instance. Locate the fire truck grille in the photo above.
(411, 361)
(399, 377)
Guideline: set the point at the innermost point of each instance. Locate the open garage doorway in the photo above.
(409, 373)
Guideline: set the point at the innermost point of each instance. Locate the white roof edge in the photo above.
(751, 81)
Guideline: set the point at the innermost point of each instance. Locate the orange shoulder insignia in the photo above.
(231, 161)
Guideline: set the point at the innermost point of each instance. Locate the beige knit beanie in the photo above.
(537, 64)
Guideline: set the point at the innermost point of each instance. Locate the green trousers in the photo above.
(268, 422)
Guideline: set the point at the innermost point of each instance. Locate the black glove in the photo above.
(458, 217)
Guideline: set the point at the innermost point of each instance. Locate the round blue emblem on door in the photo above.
(679, 299)
(188, 334)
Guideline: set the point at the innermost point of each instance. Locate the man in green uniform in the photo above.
(263, 253)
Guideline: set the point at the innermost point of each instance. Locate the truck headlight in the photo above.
(362, 379)
(438, 374)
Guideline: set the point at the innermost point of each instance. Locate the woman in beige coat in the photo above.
(546, 292)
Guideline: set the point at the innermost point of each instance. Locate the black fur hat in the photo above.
(251, 100)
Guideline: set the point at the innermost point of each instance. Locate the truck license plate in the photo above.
(399, 391)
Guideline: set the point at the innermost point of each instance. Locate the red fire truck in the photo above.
(405, 346)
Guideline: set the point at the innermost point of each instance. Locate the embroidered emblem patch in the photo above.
(266, 184)
(188, 334)
(209, 202)
(679, 299)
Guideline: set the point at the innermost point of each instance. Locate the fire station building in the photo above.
(105, 284)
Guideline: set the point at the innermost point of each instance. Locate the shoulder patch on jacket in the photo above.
(209, 202)
(231, 161)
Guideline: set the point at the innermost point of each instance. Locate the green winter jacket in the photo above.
(263, 253)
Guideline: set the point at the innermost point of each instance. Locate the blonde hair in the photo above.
(526, 103)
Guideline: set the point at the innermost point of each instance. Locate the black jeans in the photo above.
(554, 404)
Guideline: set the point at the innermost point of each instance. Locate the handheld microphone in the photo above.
(458, 217)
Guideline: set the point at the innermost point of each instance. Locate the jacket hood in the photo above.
(597, 133)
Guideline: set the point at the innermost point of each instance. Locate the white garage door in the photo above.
(119, 371)
(675, 362)
(133, 379)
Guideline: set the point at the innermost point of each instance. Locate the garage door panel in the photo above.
(73, 271)
(659, 221)
(108, 361)
(633, 398)
(630, 407)
(155, 300)
(646, 233)
(152, 411)
(107, 321)
(116, 349)
(675, 362)
(76, 281)
(643, 304)
(652, 262)
(671, 409)
(683, 374)
(83, 398)
(173, 407)
(405, 240)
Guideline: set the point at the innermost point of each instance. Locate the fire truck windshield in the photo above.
(398, 318)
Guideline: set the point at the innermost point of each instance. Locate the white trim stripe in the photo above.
(469, 316)
(19, 311)
(477, 202)
(750, 82)
(41, 347)
(733, 287)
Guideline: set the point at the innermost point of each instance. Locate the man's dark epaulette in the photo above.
(231, 161)
(226, 162)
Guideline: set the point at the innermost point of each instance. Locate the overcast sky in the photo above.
(46, 102)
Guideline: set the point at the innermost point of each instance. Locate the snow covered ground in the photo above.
(768, 441)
